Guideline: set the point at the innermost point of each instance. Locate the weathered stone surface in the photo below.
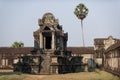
(50, 55)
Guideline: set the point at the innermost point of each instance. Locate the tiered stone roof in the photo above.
(23, 50)
(81, 50)
(100, 41)
(114, 46)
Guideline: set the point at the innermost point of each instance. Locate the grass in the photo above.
(13, 77)
(102, 75)
(97, 75)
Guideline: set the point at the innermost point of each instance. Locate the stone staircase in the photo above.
(45, 64)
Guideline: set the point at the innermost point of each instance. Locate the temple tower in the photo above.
(51, 41)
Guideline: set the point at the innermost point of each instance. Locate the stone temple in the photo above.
(50, 55)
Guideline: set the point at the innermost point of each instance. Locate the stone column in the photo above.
(56, 70)
(3, 62)
(53, 40)
(44, 44)
(41, 40)
(86, 67)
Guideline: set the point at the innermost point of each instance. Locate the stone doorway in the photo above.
(48, 42)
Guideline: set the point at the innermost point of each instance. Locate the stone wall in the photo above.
(112, 59)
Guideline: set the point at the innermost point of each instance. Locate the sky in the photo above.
(19, 19)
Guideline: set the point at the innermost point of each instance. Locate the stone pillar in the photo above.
(44, 44)
(56, 70)
(41, 40)
(86, 68)
(118, 64)
(3, 62)
(53, 40)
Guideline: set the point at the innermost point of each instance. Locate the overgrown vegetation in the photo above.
(17, 44)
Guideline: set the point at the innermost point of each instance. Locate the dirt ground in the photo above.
(97, 75)
(10, 74)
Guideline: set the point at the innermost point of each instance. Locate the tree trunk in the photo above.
(82, 33)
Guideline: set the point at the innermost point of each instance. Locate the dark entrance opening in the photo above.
(48, 42)
(46, 28)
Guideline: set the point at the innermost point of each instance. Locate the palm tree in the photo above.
(81, 12)
(18, 44)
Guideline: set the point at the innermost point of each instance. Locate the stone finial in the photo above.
(48, 18)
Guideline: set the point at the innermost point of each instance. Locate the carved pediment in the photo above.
(108, 42)
(48, 19)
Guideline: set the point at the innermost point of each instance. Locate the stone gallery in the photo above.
(50, 54)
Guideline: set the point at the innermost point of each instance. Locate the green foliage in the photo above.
(18, 44)
(81, 11)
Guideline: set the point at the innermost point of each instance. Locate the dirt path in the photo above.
(34, 77)
(97, 75)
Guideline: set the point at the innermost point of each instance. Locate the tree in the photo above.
(18, 44)
(81, 12)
